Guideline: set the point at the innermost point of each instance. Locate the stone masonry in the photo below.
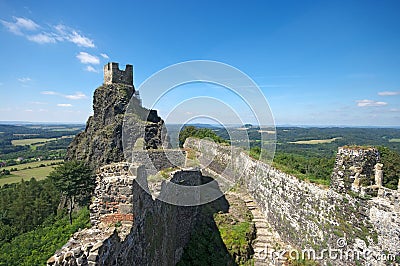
(128, 226)
(313, 217)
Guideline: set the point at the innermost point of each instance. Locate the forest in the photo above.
(37, 216)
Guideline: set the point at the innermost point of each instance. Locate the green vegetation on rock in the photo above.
(201, 133)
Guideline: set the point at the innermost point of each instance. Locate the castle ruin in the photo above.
(112, 74)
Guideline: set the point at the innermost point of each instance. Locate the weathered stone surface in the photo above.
(134, 230)
(306, 215)
(101, 141)
(354, 164)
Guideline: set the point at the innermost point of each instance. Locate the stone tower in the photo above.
(112, 74)
(354, 166)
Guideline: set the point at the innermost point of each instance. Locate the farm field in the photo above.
(32, 164)
(23, 142)
(38, 173)
(314, 141)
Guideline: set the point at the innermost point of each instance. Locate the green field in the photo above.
(32, 164)
(38, 173)
(394, 140)
(23, 142)
(28, 170)
(315, 141)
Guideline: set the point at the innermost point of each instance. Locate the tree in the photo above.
(391, 167)
(201, 133)
(75, 181)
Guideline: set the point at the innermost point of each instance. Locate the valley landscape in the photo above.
(280, 147)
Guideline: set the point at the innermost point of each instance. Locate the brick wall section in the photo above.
(114, 193)
(129, 227)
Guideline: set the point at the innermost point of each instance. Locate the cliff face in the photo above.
(101, 142)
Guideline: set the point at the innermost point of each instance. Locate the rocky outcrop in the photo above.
(129, 226)
(101, 143)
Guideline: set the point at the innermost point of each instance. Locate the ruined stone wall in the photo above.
(307, 215)
(156, 160)
(352, 162)
(129, 227)
(112, 74)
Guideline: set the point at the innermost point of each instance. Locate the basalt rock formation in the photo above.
(101, 143)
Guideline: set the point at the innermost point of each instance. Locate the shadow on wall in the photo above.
(206, 246)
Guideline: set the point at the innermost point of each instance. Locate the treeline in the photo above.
(201, 133)
(8, 133)
(37, 217)
(315, 162)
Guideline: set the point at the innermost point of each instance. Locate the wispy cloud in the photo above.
(87, 58)
(64, 105)
(388, 93)
(75, 96)
(24, 79)
(49, 93)
(46, 34)
(38, 103)
(80, 40)
(105, 56)
(42, 37)
(91, 69)
(370, 103)
(19, 25)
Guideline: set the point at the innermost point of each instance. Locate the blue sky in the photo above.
(317, 62)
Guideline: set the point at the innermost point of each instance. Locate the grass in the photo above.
(301, 176)
(32, 164)
(394, 140)
(315, 141)
(23, 142)
(30, 170)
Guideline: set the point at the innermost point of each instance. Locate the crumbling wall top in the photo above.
(112, 74)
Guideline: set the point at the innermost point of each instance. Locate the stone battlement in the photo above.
(112, 74)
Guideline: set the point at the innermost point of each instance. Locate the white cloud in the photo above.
(91, 69)
(42, 38)
(389, 93)
(80, 40)
(28, 110)
(49, 93)
(76, 96)
(86, 58)
(19, 25)
(64, 105)
(49, 34)
(24, 79)
(104, 56)
(38, 103)
(370, 103)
